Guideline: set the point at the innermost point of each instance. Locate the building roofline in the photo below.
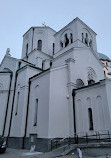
(26, 62)
(48, 70)
(39, 27)
(40, 52)
(28, 66)
(104, 59)
(94, 84)
(5, 72)
(72, 22)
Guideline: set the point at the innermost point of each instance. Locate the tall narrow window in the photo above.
(39, 47)
(19, 64)
(53, 48)
(86, 39)
(27, 49)
(71, 37)
(82, 37)
(16, 110)
(36, 112)
(90, 119)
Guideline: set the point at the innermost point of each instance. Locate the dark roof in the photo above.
(103, 57)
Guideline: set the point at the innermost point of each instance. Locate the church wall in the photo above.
(39, 91)
(4, 87)
(61, 60)
(11, 64)
(58, 105)
(83, 58)
(93, 97)
(86, 62)
(20, 103)
(8, 114)
(108, 93)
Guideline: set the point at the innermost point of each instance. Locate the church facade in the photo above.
(57, 88)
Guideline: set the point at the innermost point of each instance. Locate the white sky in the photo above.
(17, 16)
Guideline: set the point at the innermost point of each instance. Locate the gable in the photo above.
(9, 62)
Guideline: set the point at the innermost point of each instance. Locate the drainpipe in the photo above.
(12, 105)
(27, 112)
(7, 103)
(74, 113)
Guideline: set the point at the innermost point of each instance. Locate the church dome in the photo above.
(103, 57)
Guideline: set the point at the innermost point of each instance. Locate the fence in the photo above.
(82, 138)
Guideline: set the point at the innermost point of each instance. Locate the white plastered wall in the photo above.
(18, 121)
(100, 109)
(58, 105)
(4, 89)
(40, 87)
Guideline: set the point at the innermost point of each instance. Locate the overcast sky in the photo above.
(17, 16)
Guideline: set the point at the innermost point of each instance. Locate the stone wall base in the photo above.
(41, 144)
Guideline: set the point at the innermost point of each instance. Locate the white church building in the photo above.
(56, 89)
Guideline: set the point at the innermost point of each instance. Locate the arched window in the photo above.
(90, 119)
(91, 75)
(79, 83)
(39, 47)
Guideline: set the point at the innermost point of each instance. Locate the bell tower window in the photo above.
(67, 40)
(39, 47)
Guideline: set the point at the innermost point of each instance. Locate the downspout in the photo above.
(12, 105)
(7, 103)
(74, 112)
(27, 112)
